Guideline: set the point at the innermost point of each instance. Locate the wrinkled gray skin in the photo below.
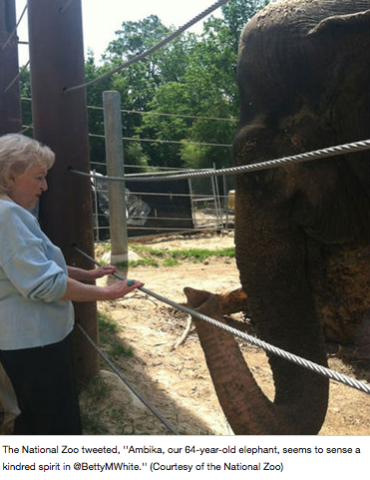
(303, 74)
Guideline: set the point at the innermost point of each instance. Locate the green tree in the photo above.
(139, 83)
(136, 161)
(207, 88)
(215, 61)
(237, 13)
(26, 104)
(192, 78)
(134, 154)
(95, 111)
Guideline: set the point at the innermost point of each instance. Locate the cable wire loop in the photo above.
(156, 47)
(308, 364)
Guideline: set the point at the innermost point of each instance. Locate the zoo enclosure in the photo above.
(277, 162)
(166, 207)
(198, 204)
(156, 207)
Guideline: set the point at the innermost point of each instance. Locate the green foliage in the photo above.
(145, 262)
(206, 87)
(26, 105)
(98, 389)
(118, 350)
(192, 76)
(202, 254)
(96, 392)
(237, 13)
(171, 257)
(107, 328)
(136, 161)
(170, 262)
(109, 340)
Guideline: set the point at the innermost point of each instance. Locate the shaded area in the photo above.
(151, 207)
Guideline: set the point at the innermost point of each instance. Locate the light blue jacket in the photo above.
(33, 279)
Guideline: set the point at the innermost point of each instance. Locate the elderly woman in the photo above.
(36, 290)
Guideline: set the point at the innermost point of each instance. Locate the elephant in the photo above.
(302, 231)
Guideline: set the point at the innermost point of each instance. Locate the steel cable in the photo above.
(175, 142)
(156, 47)
(17, 77)
(319, 369)
(127, 383)
(159, 114)
(15, 30)
(65, 7)
(175, 115)
(299, 158)
(26, 128)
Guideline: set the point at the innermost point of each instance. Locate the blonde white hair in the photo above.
(17, 154)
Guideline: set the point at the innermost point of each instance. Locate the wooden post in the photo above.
(115, 168)
(10, 105)
(60, 121)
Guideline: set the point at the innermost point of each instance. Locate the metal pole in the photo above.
(193, 205)
(218, 201)
(60, 121)
(96, 207)
(115, 167)
(224, 181)
(215, 199)
(10, 104)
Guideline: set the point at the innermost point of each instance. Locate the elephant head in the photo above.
(303, 76)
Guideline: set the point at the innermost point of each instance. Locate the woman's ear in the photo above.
(12, 176)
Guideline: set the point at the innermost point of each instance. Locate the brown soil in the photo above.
(176, 381)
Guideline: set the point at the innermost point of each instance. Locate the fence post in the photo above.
(225, 202)
(10, 104)
(115, 168)
(60, 121)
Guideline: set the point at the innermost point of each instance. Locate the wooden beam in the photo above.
(60, 121)
(10, 104)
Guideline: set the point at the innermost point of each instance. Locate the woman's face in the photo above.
(28, 187)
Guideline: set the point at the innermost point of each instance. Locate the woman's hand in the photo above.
(82, 275)
(121, 288)
(82, 292)
(102, 271)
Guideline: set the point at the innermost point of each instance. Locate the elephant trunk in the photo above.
(246, 407)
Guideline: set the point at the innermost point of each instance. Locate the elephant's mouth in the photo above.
(343, 295)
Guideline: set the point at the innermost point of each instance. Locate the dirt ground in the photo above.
(176, 381)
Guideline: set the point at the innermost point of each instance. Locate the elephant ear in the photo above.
(349, 21)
